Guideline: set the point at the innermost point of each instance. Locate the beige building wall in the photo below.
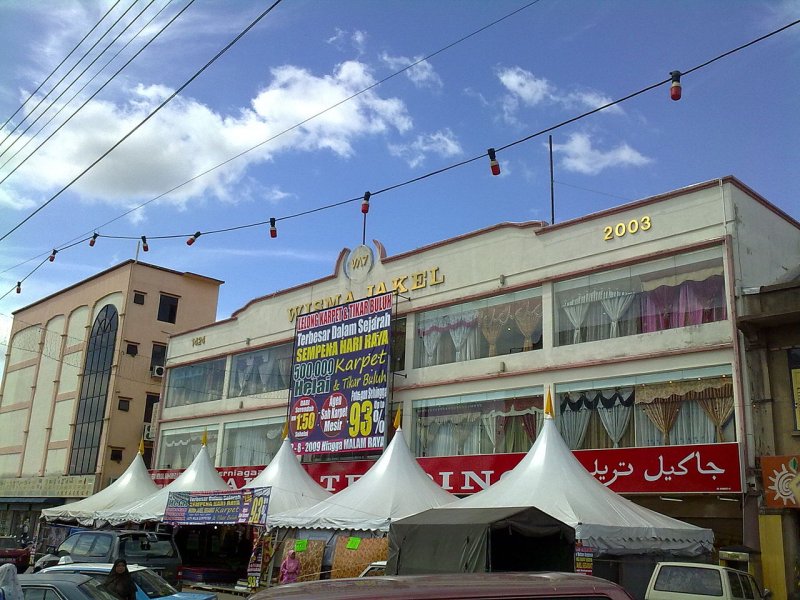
(41, 384)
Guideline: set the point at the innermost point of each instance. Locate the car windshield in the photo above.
(689, 580)
(153, 585)
(91, 589)
(7, 543)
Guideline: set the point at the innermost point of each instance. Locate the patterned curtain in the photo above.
(528, 318)
(614, 407)
(462, 332)
(492, 320)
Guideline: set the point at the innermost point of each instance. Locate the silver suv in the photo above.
(156, 551)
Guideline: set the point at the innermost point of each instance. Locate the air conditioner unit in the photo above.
(159, 370)
(149, 432)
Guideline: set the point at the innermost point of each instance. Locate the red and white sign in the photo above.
(700, 468)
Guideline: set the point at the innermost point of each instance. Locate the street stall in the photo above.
(548, 512)
(342, 534)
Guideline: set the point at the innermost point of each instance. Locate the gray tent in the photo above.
(453, 540)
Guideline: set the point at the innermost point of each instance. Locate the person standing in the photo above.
(119, 582)
(9, 583)
(290, 568)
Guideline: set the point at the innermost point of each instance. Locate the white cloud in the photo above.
(187, 137)
(581, 157)
(15, 201)
(421, 74)
(442, 143)
(525, 89)
(341, 38)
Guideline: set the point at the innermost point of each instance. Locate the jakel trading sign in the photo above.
(340, 374)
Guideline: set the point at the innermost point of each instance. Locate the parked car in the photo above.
(374, 569)
(457, 586)
(149, 549)
(63, 586)
(14, 551)
(149, 585)
(695, 581)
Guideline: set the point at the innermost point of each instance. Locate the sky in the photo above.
(324, 100)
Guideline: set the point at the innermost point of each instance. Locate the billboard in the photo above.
(227, 507)
(340, 378)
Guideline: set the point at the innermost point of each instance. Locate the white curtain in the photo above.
(265, 371)
(576, 310)
(430, 331)
(489, 422)
(463, 331)
(615, 303)
(615, 420)
(573, 425)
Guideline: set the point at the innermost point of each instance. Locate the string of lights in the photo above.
(56, 68)
(149, 116)
(63, 77)
(491, 153)
(83, 87)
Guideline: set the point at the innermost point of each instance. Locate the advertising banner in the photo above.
(218, 508)
(780, 476)
(699, 468)
(340, 375)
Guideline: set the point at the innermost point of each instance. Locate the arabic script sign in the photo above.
(702, 468)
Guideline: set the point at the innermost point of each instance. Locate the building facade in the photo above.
(628, 316)
(82, 382)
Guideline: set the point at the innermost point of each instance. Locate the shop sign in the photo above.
(228, 507)
(701, 468)
(57, 486)
(780, 476)
(340, 374)
(584, 558)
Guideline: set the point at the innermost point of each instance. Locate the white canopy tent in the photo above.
(292, 487)
(393, 488)
(133, 485)
(200, 476)
(552, 480)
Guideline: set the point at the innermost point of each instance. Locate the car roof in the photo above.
(702, 566)
(457, 585)
(99, 567)
(47, 578)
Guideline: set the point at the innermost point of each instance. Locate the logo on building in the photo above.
(359, 263)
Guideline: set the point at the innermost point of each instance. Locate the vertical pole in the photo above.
(552, 190)
(364, 231)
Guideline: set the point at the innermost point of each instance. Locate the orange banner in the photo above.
(781, 479)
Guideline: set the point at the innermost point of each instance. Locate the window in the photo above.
(398, 344)
(251, 442)
(150, 407)
(116, 454)
(138, 297)
(193, 384)
(689, 580)
(131, 349)
(177, 448)
(693, 406)
(478, 329)
(261, 371)
(124, 404)
(94, 392)
(794, 374)
(491, 423)
(83, 546)
(675, 292)
(167, 309)
(102, 544)
(158, 356)
(39, 593)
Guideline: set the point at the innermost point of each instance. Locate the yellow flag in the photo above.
(141, 446)
(398, 418)
(548, 406)
(204, 439)
(285, 432)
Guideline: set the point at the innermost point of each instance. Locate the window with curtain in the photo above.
(177, 448)
(685, 412)
(193, 384)
(601, 418)
(469, 426)
(479, 329)
(679, 291)
(251, 442)
(262, 371)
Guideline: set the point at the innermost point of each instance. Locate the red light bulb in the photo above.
(365, 203)
(53, 255)
(19, 287)
(493, 164)
(273, 230)
(145, 247)
(675, 87)
(93, 240)
(193, 238)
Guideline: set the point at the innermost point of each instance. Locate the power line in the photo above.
(149, 116)
(34, 92)
(426, 175)
(96, 92)
(85, 54)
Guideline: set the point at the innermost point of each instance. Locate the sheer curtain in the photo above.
(492, 320)
(576, 311)
(430, 331)
(575, 416)
(614, 407)
(463, 331)
(528, 318)
(615, 303)
(699, 300)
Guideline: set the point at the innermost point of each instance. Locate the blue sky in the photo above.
(547, 63)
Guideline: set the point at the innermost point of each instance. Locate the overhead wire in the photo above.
(56, 68)
(85, 54)
(443, 169)
(149, 116)
(92, 96)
